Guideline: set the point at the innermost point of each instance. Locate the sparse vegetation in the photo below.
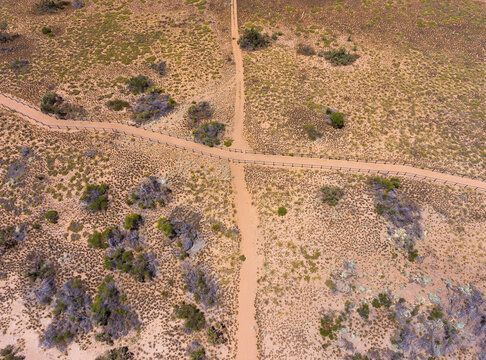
(305, 49)
(331, 194)
(121, 353)
(9, 352)
(199, 112)
(311, 131)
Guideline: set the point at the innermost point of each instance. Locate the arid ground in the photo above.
(207, 179)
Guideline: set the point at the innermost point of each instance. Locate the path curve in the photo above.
(237, 155)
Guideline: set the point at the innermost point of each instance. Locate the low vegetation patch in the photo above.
(252, 39)
(199, 112)
(137, 266)
(110, 312)
(95, 197)
(337, 120)
(117, 104)
(132, 221)
(49, 6)
(121, 353)
(340, 57)
(209, 133)
(311, 131)
(331, 194)
(151, 193)
(152, 106)
(305, 49)
(138, 84)
(194, 318)
(52, 216)
(9, 352)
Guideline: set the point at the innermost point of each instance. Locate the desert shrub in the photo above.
(331, 194)
(151, 193)
(121, 353)
(117, 104)
(199, 354)
(53, 103)
(19, 64)
(330, 325)
(166, 227)
(111, 236)
(435, 313)
(52, 216)
(337, 120)
(152, 106)
(71, 315)
(412, 255)
(215, 336)
(9, 238)
(49, 6)
(199, 284)
(4, 35)
(199, 112)
(340, 56)
(159, 67)
(75, 226)
(194, 318)
(124, 260)
(9, 352)
(38, 268)
(77, 4)
(47, 31)
(96, 197)
(109, 311)
(364, 311)
(311, 131)
(252, 39)
(305, 49)
(138, 84)
(104, 338)
(387, 184)
(208, 134)
(132, 221)
(282, 211)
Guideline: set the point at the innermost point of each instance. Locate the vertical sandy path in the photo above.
(246, 215)
(238, 122)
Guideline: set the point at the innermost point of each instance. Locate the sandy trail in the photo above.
(247, 219)
(239, 119)
(37, 117)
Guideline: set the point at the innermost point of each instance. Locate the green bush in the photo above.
(48, 6)
(388, 184)
(138, 84)
(208, 134)
(340, 56)
(330, 325)
(197, 354)
(132, 221)
(337, 120)
(435, 314)
(96, 197)
(252, 39)
(281, 211)
(52, 216)
(117, 104)
(331, 194)
(364, 311)
(47, 31)
(194, 318)
(52, 103)
(166, 227)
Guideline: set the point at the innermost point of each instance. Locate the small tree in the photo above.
(132, 221)
(252, 39)
(194, 318)
(138, 84)
(337, 120)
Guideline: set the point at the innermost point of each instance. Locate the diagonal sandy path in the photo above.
(239, 156)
